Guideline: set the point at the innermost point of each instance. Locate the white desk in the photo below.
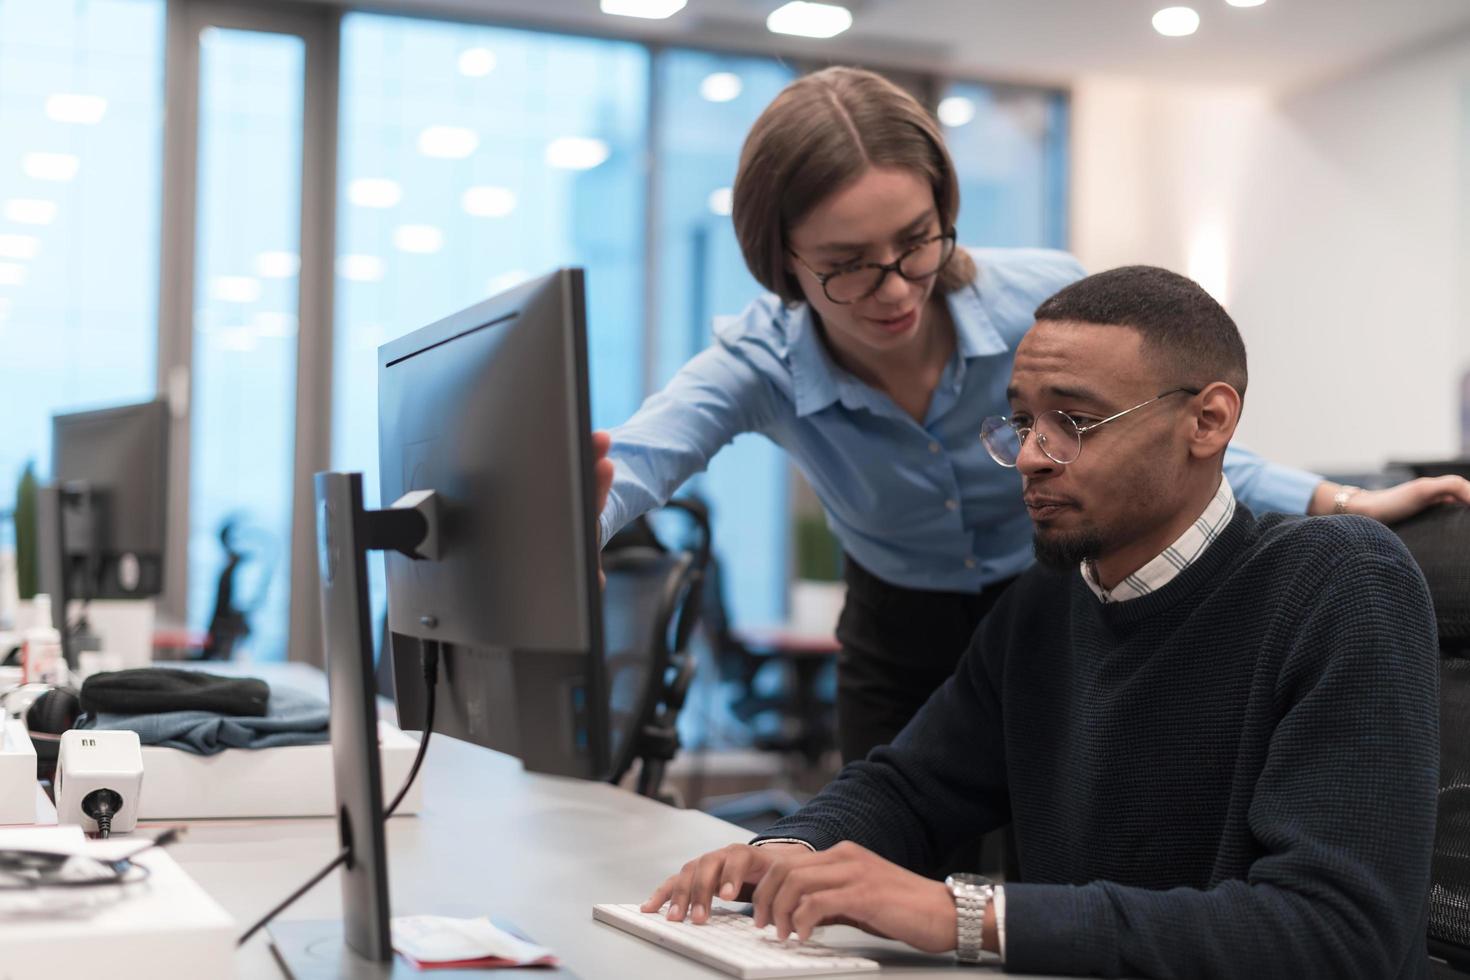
(537, 850)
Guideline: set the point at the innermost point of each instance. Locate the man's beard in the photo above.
(1066, 550)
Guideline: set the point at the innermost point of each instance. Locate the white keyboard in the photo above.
(729, 941)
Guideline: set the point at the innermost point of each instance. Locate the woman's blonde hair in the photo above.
(822, 132)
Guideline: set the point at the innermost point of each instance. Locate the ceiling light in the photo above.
(50, 166)
(647, 9)
(19, 246)
(448, 142)
(29, 211)
(84, 109)
(488, 202)
(1245, 3)
(235, 289)
(277, 265)
(476, 62)
(274, 324)
(576, 153)
(376, 192)
(721, 86)
(1176, 21)
(721, 201)
(419, 239)
(506, 280)
(360, 268)
(809, 19)
(956, 111)
(12, 274)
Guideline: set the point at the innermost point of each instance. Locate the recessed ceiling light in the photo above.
(360, 268)
(29, 211)
(956, 111)
(476, 62)
(448, 142)
(277, 265)
(576, 153)
(66, 107)
(19, 246)
(506, 280)
(419, 239)
(50, 166)
(12, 274)
(647, 9)
(235, 289)
(1245, 3)
(488, 202)
(805, 19)
(722, 201)
(1176, 21)
(274, 324)
(375, 192)
(721, 86)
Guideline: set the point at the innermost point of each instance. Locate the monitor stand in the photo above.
(345, 532)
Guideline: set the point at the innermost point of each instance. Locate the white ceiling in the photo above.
(1282, 44)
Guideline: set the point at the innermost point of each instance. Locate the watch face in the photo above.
(966, 878)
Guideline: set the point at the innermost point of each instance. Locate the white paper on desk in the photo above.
(441, 939)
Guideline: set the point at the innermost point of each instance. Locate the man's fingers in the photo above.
(659, 897)
(801, 883)
(819, 908)
(707, 877)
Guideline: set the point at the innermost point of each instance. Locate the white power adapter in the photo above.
(99, 778)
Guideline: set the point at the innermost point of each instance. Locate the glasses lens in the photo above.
(1001, 440)
(1058, 437)
(849, 287)
(927, 259)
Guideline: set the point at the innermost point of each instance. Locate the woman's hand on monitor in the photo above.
(602, 470)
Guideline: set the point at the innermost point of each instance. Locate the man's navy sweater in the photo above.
(1233, 776)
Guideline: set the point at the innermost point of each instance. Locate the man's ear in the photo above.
(1217, 412)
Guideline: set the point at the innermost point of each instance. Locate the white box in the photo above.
(289, 781)
(166, 926)
(17, 773)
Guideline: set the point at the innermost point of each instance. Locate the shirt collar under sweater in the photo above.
(1176, 558)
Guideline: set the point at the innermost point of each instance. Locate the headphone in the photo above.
(54, 712)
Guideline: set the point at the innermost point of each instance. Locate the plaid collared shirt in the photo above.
(1175, 558)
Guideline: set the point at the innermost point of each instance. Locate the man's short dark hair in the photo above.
(1179, 321)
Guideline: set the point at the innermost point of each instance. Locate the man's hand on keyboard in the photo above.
(796, 891)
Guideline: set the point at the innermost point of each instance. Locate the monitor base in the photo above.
(312, 949)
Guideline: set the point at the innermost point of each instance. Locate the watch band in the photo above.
(972, 895)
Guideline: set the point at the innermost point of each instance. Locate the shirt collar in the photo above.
(819, 381)
(1176, 558)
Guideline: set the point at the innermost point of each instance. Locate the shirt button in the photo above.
(950, 505)
(934, 448)
(969, 563)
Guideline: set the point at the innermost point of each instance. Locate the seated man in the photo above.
(1216, 735)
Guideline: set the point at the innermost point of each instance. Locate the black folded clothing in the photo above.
(150, 690)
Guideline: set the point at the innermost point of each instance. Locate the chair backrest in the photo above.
(1439, 540)
(651, 602)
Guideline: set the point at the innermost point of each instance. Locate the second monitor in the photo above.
(489, 409)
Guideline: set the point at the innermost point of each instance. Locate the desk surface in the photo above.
(537, 850)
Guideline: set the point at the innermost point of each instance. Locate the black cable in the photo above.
(102, 805)
(431, 680)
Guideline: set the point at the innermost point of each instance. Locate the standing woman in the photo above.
(879, 350)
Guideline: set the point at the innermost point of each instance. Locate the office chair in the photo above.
(651, 603)
(1439, 540)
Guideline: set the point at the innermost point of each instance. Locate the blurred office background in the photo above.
(232, 204)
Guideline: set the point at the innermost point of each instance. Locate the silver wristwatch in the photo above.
(972, 895)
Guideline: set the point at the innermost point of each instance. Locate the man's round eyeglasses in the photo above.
(853, 283)
(1058, 434)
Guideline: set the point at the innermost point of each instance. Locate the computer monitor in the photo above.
(104, 515)
(486, 457)
(489, 408)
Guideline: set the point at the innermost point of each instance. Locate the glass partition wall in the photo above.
(324, 181)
